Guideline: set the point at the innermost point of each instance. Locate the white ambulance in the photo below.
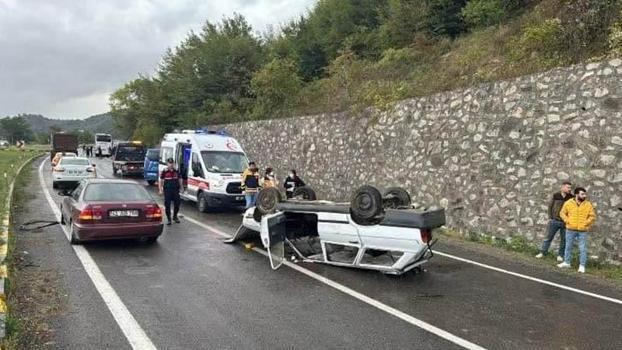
(211, 163)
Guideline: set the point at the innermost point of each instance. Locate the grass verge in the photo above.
(520, 245)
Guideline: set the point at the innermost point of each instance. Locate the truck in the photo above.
(62, 142)
(211, 163)
(128, 158)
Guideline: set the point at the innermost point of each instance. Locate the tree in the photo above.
(16, 128)
(483, 13)
(274, 85)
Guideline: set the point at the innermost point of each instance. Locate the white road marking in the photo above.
(534, 279)
(135, 335)
(362, 297)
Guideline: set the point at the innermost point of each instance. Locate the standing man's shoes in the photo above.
(176, 220)
(564, 265)
(169, 223)
(581, 269)
(560, 258)
(539, 256)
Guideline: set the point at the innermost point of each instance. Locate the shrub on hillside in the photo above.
(274, 85)
(615, 36)
(483, 13)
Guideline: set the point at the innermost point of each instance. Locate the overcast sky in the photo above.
(62, 58)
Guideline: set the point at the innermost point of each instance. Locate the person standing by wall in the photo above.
(291, 183)
(170, 184)
(555, 222)
(250, 184)
(579, 216)
(269, 179)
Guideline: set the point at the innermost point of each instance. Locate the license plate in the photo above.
(239, 198)
(123, 213)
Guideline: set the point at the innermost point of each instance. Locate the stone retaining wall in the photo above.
(492, 154)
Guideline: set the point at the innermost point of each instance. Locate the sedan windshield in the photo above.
(224, 162)
(74, 161)
(115, 192)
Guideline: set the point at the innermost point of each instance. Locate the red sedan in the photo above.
(103, 209)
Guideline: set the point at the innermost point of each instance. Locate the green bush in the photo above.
(274, 85)
(615, 37)
(483, 13)
(540, 40)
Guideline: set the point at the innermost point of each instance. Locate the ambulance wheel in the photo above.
(366, 206)
(396, 197)
(304, 192)
(267, 199)
(202, 203)
(257, 215)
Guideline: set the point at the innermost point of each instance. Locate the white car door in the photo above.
(273, 238)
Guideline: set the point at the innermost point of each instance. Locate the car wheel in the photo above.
(151, 182)
(74, 237)
(202, 203)
(366, 206)
(305, 193)
(257, 215)
(267, 199)
(396, 197)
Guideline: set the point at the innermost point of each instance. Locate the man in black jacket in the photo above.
(291, 183)
(556, 223)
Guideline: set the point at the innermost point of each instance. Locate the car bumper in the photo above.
(225, 200)
(151, 176)
(60, 180)
(93, 232)
(137, 171)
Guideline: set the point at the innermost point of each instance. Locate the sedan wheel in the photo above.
(202, 203)
(74, 238)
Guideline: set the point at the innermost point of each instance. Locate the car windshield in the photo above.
(110, 192)
(103, 138)
(153, 154)
(130, 153)
(74, 161)
(224, 162)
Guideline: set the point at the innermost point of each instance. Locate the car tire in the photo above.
(150, 240)
(267, 199)
(257, 215)
(366, 206)
(74, 239)
(202, 203)
(305, 193)
(151, 182)
(396, 197)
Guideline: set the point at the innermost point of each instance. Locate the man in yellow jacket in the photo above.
(579, 216)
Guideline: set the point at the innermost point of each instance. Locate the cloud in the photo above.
(63, 58)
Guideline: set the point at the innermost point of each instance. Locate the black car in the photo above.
(128, 159)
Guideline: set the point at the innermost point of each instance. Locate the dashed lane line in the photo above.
(135, 335)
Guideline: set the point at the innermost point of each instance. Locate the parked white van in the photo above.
(211, 164)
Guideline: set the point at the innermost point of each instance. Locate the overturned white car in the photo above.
(383, 233)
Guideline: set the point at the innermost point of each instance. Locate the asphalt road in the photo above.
(191, 291)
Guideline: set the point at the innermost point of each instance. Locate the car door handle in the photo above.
(353, 242)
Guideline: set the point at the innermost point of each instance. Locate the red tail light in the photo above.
(90, 214)
(426, 235)
(154, 213)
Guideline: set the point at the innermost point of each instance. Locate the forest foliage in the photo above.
(352, 54)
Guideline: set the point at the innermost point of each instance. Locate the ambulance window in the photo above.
(166, 153)
(196, 166)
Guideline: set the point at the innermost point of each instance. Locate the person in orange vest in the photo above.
(578, 214)
(250, 184)
(269, 179)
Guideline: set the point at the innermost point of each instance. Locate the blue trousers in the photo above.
(582, 239)
(554, 226)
